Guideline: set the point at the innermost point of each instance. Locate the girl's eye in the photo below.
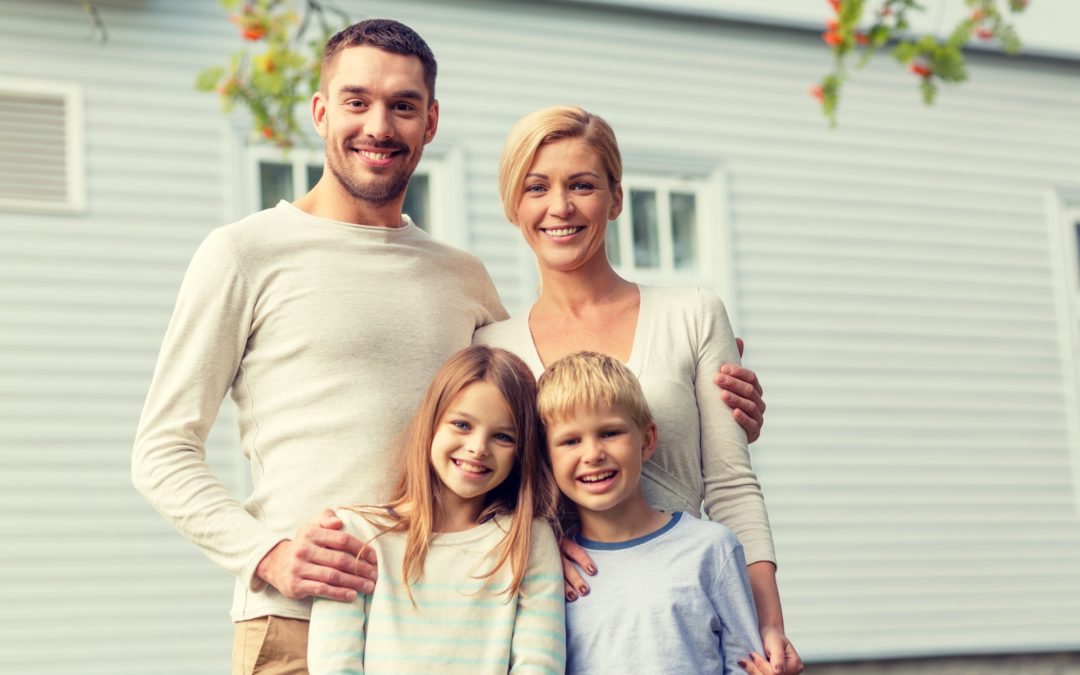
(570, 442)
(505, 438)
(461, 424)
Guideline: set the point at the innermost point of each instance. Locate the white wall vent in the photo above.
(41, 146)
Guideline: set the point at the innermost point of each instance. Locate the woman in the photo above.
(559, 180)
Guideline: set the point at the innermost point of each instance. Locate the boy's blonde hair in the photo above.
(587, 380)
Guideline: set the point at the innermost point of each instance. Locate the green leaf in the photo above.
(207, 79)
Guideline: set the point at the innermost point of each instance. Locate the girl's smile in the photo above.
(473, 451)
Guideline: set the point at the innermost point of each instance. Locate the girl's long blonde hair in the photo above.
(528, 492)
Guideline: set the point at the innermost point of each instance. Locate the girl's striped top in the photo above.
(460, 623)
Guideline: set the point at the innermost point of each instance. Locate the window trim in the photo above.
(714, 265)
(1063, 207)
(74, 145)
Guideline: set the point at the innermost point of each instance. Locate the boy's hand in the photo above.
(573, 557)
(320, 561)
(743, 394)
(782, 655)
(756, 665)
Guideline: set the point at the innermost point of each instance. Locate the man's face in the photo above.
(375, 119)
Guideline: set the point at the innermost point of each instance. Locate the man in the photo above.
(326, 319)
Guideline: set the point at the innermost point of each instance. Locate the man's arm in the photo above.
(741, 391)
(200, 356)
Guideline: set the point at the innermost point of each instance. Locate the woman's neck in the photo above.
(579, 289)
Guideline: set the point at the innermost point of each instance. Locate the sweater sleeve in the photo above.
(732, 492)
(538, 644)
(199, 360)
(337, 634)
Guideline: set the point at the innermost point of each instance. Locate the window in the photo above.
(41, 146)
(661, 235)
(1065, 231)
(427, 201)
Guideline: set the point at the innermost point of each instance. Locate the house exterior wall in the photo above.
(891, 277)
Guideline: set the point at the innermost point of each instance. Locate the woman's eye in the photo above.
(535, 188)
(581, 187)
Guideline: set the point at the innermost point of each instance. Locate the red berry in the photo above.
(835, 5)
(832, 38)
(833, 25)
(267, 132)
(817, 92)
(862, 38)
(978, 15)
(252, 33)
(984, 34)
(921, 70)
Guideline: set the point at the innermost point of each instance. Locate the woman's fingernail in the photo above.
(592, 569)
(571, 596)
(583, 589)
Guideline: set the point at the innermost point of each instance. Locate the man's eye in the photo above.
(355, 104)
(404, 107)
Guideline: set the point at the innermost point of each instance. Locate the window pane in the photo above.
(646, 238)
(1078, 245)
(683, 230)
(417, 201)
(275, 183)
(314, 173)
(611, 243)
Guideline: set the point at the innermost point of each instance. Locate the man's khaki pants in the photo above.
(270, 645)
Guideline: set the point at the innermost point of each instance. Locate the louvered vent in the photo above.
(41, 147)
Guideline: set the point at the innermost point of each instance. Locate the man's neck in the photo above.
(333, 203)
(622, 523)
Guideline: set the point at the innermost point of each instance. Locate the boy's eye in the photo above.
(610, 433)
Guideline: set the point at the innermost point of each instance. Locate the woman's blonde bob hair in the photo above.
(546, 126)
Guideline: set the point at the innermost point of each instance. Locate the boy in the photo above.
(674, 596)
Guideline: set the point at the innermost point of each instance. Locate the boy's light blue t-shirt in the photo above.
(677, 600)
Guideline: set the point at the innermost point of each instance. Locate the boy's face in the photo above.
(596, 456)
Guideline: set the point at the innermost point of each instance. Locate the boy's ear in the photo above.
(649, 445)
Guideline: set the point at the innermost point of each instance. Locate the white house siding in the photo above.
(891, 279)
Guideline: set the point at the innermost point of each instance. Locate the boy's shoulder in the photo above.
(715, 541)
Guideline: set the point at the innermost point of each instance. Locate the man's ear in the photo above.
(318, 113)
(432, 122)
(649, 444)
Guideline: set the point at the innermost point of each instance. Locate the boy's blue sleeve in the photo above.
(734, 601)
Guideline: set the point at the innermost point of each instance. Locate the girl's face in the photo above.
(565, 205)
(474, 447)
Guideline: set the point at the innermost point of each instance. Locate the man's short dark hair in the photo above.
(387, 35)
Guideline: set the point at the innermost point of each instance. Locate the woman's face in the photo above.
(565, 205)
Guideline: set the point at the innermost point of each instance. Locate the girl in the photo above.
(470, 577)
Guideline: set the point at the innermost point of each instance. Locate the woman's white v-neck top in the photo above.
(682, 338)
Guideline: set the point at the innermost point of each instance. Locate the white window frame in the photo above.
(74, 145)
(1064, 220)
(713, 268)
(444, 171)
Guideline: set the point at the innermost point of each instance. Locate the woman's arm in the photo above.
(732, 491)
(538, 643)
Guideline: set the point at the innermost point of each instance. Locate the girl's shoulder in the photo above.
(364, 522)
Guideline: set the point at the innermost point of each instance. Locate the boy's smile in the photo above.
(596, 457)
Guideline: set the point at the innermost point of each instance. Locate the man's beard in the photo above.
(381, 190)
